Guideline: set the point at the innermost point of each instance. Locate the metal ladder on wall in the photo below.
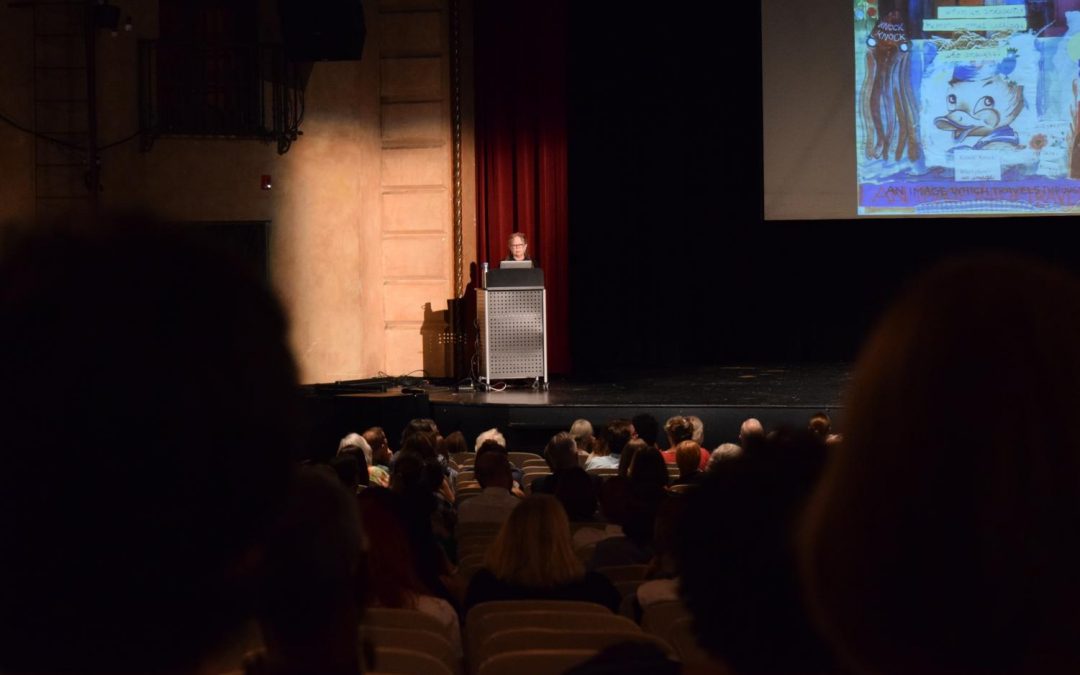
(66, 173)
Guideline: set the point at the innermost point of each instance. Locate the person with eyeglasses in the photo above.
(517, 247)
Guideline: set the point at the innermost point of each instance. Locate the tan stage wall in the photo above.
(363, 251)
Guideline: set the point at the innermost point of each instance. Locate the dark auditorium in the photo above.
(531, 337)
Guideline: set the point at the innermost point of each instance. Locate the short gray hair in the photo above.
(581, 429)
(492, 434)
(724, 452)
(355, 441)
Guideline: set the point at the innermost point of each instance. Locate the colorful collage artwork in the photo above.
(967, 106)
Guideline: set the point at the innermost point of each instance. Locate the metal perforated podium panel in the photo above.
(512, 334)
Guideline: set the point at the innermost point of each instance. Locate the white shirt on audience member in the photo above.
(605, 462)
(492, 505)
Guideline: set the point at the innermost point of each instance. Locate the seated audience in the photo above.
(646, 489)
(135, 550)
(379, 467)
(354, 443)
(688, 459)
(648, 475)
(582, 432)
(613, 498)
(419, 481)
(424, 443)
(421, 425)
(454, 444)
(492, 434)
(647, 428)
(495, 502)
(725, 451)
(568, 482)
(398, 574)
(680, 429)
(493, 445)
(942, 538)
(737, 564)
(626, 458)
(751, 434)
(699, 430)
(313, 583)
(577, 491)
(820, 424)
(662, 575)
(380, 449)
(351, 471)
(357, 446)
(613, 438)
(532, 559)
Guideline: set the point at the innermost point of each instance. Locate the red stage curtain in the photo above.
(521, 128)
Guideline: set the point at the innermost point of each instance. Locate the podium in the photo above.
(511, 312)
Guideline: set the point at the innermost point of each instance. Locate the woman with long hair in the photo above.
(532, 558)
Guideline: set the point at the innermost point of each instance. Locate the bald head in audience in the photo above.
(751, 433)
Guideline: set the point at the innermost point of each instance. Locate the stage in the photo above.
(722, 396)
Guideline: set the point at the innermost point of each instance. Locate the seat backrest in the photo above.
(420, 640)
(518, 458)
(556, 619)
(407, 662)
(484, 609)
(535, 661)
(618, 573)
(585, 553)
(489, 530)
(603, 473)
(625, 588)
(486, 618)
(530, 478)
(518, 639)
(464, 458)
(681, 635)
(385, 617)
(660, 618)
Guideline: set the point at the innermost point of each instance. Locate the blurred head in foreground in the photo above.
(132, 548)
(943, 538)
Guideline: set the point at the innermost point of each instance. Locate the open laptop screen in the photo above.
(515, 264)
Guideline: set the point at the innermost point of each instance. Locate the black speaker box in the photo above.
(322, 30)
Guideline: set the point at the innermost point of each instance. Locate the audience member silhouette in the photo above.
(134, 549)
(943, 537)
(736, 559)
(532, 557)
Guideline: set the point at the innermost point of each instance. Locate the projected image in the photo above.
(967, 107)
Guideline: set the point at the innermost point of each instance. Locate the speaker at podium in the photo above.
(511, 311)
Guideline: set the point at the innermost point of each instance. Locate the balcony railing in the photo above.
(218, 91)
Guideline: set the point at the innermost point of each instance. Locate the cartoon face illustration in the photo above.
(981, 105)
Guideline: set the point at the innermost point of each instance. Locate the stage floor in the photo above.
(814, 386)
(722, 396)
